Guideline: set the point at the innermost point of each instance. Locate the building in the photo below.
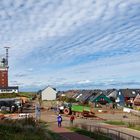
(48, 93)
(137, 100)
(100, 98)
(13, 89)
(4, 87)
(3, 74)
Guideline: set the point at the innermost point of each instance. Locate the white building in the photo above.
(48, 94)
(9, 90)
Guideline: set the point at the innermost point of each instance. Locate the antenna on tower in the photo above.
(7, 56)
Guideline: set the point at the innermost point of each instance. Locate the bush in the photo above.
(8, 95)
(66, 99)
(21, 130)
(97, 135)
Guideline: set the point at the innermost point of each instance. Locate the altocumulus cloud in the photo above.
(65, 42)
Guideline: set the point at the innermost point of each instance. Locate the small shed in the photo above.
(48, 93)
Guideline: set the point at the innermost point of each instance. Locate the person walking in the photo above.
(59, 120)
(37, 112)
(72, 119)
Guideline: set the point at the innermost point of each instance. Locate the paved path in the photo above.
(68, 134)
(51, 118)
(122, 129)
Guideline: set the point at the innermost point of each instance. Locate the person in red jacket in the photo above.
(72, 119)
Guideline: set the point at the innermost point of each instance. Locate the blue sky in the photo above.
(71, 44)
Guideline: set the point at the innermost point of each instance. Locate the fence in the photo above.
(110, 133)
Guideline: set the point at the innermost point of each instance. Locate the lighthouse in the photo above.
(4, 70)
(4, 86)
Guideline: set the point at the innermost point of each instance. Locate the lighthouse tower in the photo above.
(4, 87)
(4, 70)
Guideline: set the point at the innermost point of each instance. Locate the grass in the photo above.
(96, 135)
(135, 128)
(27, 94)
(13, 95)
(8, 95)
(116, 122)
(20, 130)
(132, 125)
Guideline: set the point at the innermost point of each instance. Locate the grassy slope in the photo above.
(26, 130)
(127, 124)
(13, 95)
(20, 130)
(116, 122)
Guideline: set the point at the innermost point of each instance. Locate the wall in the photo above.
(48, 94)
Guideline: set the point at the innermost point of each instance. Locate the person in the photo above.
(71, 119)
(37, 112)
(59, 120)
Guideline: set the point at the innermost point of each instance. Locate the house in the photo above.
(13, 89)
(85, 95)
(61, 94)
(120, 99)
(137, 100)
(48, 93)
(101, 99)
(129, 95)
(70, 93)
(75, 95)
(112, 94)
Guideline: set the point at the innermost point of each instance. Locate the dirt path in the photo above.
(64, 132)
(51, 118)
(68, 134)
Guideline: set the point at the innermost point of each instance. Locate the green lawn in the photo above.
(27, 94)
(13, 95)
(116, 122)
(8, 95)
(131, 125)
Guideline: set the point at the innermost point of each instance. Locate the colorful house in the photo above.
(101, 99)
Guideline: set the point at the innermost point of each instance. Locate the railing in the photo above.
(108, 132)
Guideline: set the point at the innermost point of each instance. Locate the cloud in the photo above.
(20, 75)
(72, 40)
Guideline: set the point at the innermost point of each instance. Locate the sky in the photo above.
(71, 44)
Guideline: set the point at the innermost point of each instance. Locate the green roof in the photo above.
(100, 96)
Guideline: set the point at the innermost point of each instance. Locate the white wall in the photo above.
(48, 94)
